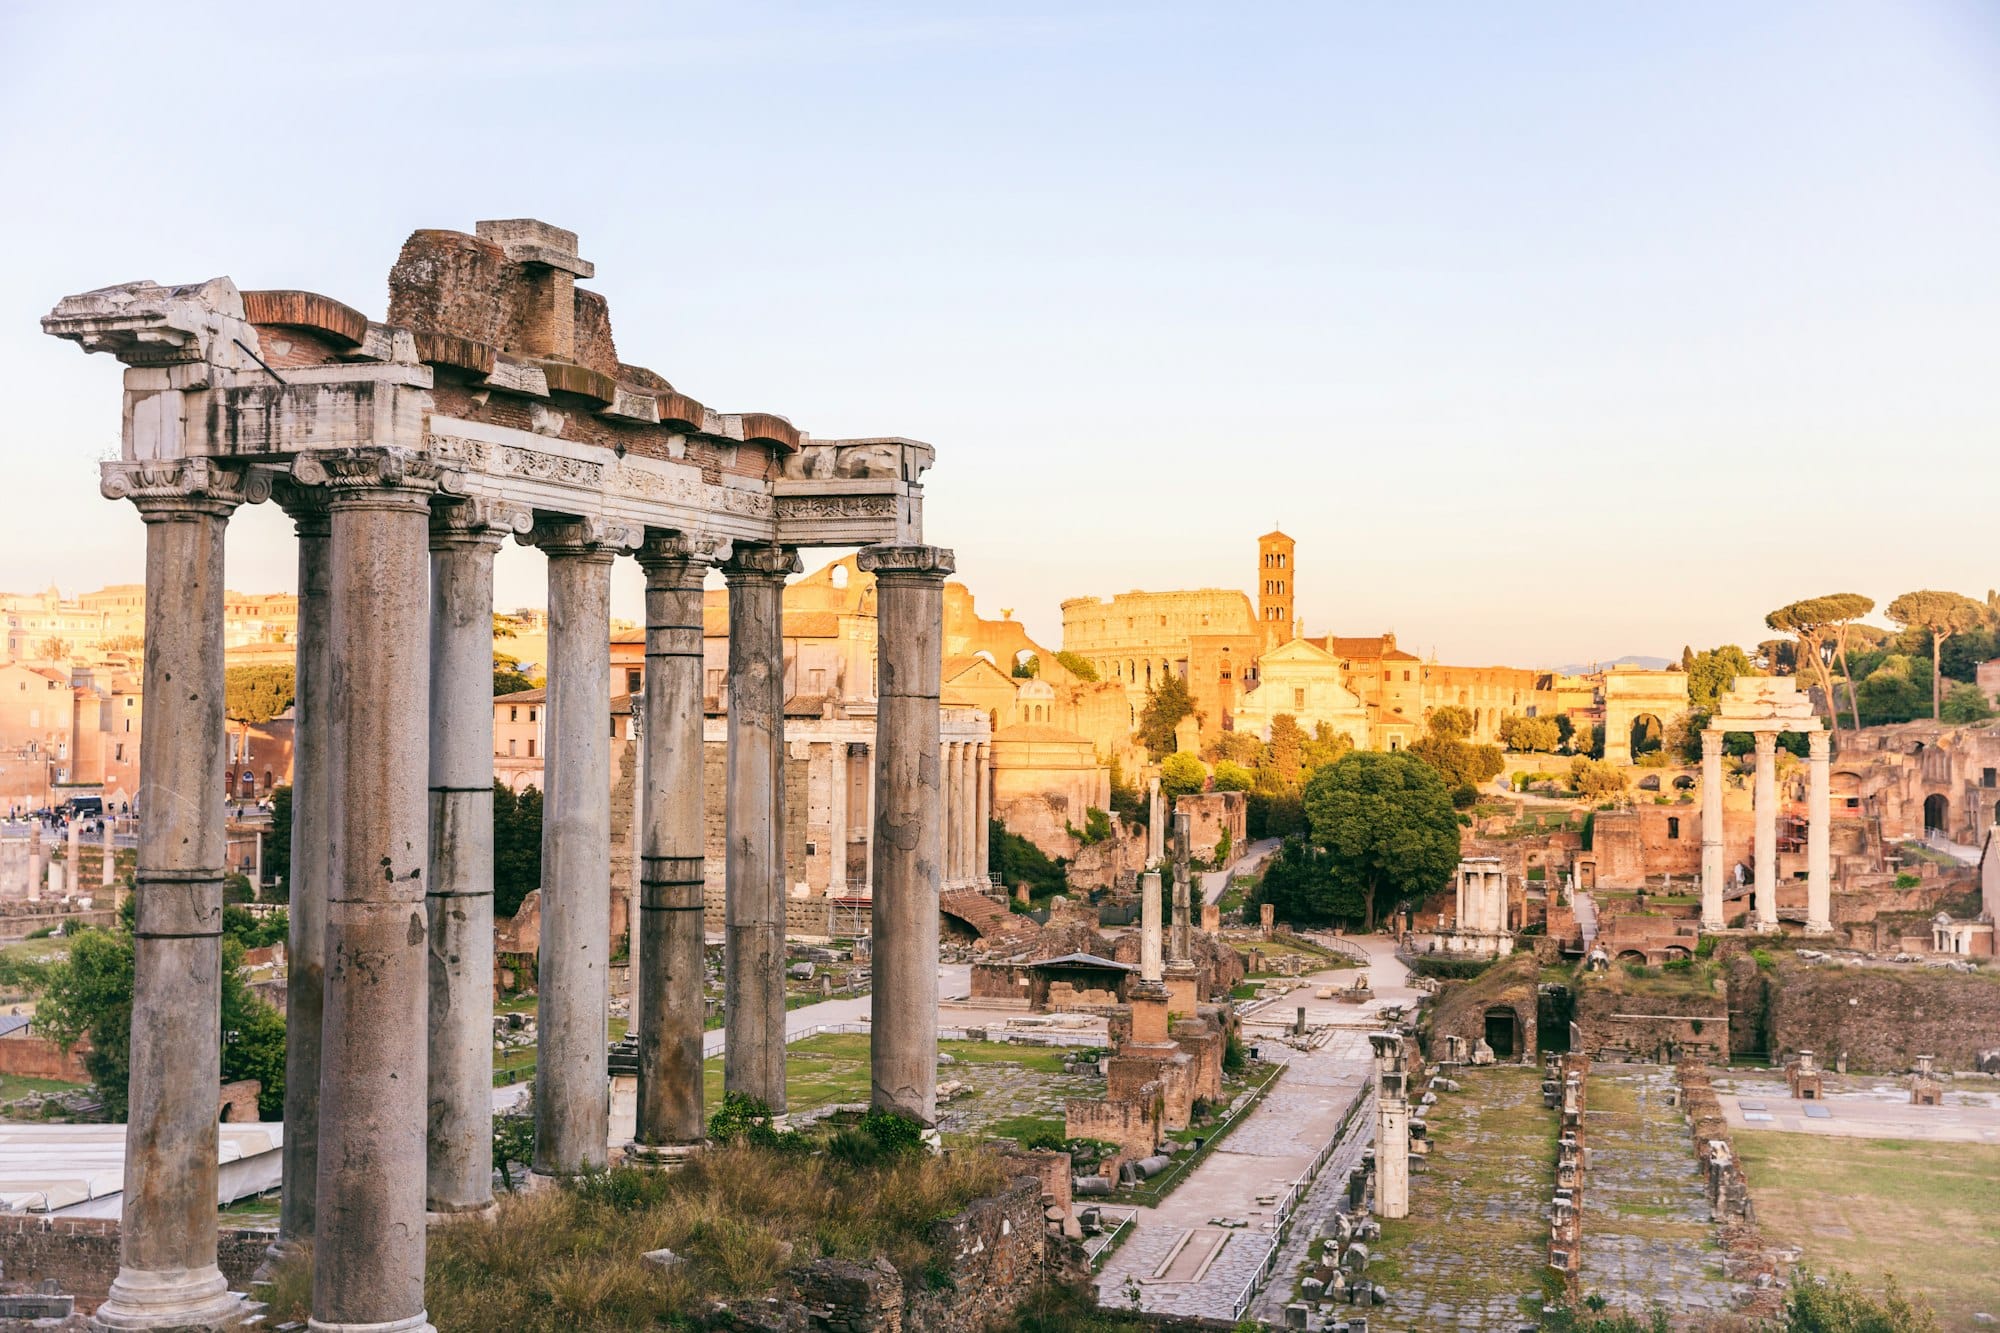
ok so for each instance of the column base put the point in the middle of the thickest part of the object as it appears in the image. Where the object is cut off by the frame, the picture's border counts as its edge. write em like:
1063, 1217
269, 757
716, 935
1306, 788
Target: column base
1819, 927
191, 1301
484, 1212
1709, 927
419, 1322
275, 1254
662, 1156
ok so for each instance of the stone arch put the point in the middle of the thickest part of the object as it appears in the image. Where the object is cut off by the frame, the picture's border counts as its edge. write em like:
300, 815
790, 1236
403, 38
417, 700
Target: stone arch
1937, 813
1631, 956
839, 575
1503, 1031
1675, 953
1647, 734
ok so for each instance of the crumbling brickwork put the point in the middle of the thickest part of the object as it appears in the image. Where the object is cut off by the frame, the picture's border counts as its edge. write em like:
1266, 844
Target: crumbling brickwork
80, 1254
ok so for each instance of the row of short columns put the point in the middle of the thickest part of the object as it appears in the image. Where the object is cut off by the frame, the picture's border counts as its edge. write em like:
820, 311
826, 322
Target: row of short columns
968, 798
1764, 840
389, 1054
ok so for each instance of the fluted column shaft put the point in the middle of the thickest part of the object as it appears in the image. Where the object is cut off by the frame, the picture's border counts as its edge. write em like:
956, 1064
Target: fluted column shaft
572, 1081
672, 968
167, 1274
309, 873
982, 838
836, 820
368, 1243
909, 813
1765, 816
1711, 831
1819, 835
464, 537
753, 1060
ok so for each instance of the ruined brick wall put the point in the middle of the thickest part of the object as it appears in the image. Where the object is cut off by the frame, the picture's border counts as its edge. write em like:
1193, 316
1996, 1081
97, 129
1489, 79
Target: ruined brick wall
1133, 1126
37, 1057
1607, 1019
1210, 815
80, 1254
997, 1251
1882, 1018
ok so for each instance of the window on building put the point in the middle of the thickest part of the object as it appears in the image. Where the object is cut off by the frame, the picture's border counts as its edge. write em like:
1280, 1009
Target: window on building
1673, 826
633, 679
118, 754
128, 725
819, 680
1298, 698
1988, 777
533, 713
1406, 675
531, 747
511, 743
513, 712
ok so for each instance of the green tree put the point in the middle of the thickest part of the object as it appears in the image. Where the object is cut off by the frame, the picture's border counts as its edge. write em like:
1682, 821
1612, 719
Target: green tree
1941, 615
1167, 702
1821, 625
1233, 777
1288, 749
517, 847
1965, 703
1596, 780
1837, 1304
1327, 746
1387, 823
278, 841
1076, 664
1239, 747
1127, 801
507, 676
1028, 668
1587, 740
1451, 723
1181, 774
1019, 861
1713, 672
1304, 889
1530, 734
256, 694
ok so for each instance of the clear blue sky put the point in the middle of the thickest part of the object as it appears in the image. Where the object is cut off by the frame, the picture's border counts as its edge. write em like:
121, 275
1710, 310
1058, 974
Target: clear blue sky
1550, 332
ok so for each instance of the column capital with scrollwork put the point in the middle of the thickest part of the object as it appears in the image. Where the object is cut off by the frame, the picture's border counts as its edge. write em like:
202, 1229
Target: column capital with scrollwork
753, 563
165, 489
476, 522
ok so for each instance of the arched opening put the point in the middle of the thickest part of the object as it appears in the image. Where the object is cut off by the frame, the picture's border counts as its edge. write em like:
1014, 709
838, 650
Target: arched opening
839, 576
1675, 953
1937, 814
1685, 782
1503, 1032
1631, 956
1647, 734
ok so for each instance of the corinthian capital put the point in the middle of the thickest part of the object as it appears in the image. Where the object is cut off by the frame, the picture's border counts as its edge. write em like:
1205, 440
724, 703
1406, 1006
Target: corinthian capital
477, 520
753, 562
914, 561
162, 487
368, 467
582, 536
662, 549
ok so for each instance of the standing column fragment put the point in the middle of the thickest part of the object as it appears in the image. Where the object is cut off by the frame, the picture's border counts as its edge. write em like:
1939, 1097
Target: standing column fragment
368, 1241
1819, 835
167, 1273
753, 1061
982, 824
672, 967
1765, 818
1711, 830
572, 1078
909, 813
464, 537
310, 871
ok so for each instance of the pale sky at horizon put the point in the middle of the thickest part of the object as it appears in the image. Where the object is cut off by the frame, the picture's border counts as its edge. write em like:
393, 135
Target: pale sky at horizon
1550, 332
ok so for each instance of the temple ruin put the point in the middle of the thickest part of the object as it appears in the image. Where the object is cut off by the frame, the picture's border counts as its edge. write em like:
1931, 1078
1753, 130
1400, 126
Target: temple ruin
490, 405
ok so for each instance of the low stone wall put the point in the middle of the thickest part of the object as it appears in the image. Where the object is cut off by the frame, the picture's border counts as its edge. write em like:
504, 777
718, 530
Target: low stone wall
1880, 1018
1745, 1258
38, 1057
80, 1254
1651, 1027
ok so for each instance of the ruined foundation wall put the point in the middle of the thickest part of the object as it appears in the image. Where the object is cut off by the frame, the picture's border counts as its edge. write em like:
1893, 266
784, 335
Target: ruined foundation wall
80, 1254
1883, 1018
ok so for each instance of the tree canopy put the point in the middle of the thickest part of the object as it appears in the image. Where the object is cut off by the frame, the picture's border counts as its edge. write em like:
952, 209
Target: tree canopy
1181, 774
256, 694
517, 847
1822, 625
1076, 664
1966, 703
1538, 735
1713, 672
1941, 614
508, 677
1230, 776
1167, 702
1458, 762
1387, 825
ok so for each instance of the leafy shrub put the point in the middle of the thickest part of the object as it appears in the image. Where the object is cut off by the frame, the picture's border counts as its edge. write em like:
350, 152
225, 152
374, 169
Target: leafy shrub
1762, 957
1906, 880
1678, 965
1705, 947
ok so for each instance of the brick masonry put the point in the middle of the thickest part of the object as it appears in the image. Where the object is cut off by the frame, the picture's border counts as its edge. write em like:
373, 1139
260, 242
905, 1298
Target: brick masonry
80, 1254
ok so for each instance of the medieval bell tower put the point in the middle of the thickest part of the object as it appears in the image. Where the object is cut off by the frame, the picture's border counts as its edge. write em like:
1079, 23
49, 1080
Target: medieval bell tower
1275, 590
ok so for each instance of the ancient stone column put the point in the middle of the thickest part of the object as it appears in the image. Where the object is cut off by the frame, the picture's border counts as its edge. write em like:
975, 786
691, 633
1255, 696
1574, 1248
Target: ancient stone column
310, 872
836, 820
73, 858
1711, 830
869, 753
753, 1059
35, 858
1156, 826
368, 1231
572, 1082
1392, 1127
1149, 926
983, 817
969, 803
1180, 950
167, 1274
909, 804
1819, 835
1765, 815
672, 968
104, 828
464, 536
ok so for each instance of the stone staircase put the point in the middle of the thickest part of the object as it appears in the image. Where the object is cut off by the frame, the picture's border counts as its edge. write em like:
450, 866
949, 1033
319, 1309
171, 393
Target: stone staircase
997, 926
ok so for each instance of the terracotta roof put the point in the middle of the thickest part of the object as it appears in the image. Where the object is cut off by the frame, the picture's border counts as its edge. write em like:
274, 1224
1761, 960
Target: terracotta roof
533, 696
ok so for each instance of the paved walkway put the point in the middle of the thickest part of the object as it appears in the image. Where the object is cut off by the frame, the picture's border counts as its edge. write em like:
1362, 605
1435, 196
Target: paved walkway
1215, 883
1180, 1259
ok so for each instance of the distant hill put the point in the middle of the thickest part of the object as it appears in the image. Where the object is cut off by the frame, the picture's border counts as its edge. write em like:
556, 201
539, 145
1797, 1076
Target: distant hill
1631, 660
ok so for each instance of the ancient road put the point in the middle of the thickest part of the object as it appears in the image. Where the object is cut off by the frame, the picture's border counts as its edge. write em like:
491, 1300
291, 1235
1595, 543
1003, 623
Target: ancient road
1182, 1261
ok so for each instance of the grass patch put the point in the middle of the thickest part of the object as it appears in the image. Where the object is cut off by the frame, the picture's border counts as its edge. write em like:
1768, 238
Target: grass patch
1925, 1211
13, 1087
562, 1260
